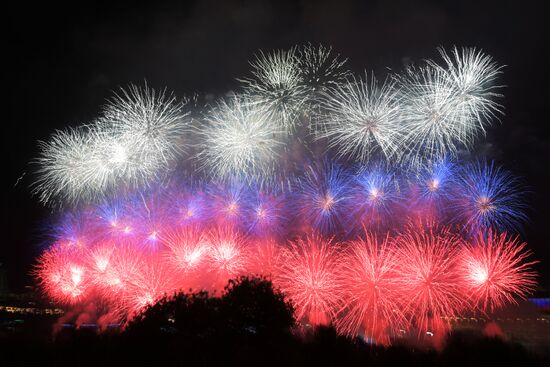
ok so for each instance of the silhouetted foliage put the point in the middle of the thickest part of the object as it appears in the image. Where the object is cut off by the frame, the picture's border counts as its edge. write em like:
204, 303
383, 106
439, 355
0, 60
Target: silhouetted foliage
249, 306
250, 324
245, 323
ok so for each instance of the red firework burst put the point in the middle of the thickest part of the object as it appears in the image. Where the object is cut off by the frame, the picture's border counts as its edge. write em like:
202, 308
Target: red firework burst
495, 270
427, 274
372, 290
63, 274
308, 275
153, 280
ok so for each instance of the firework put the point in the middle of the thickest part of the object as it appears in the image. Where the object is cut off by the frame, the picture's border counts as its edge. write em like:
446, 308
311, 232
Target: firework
361, 118
427, 273
63, 167
266, 216
228, 257
308, 277
277, 86
473, 76
375, 196
152, 281
241, 142
63, 275
265, 258
322, 196
495, 270
229, 204
445, 108
490, 197
187, 254
438, 180
320, 69
136, 140
433, 129
361, 243
149, 128
372, 291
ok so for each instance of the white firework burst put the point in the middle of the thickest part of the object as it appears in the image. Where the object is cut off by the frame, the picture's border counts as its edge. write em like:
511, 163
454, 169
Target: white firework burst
321, 69
240, 141
473, 75
136, 140
446, 107
429, 116
151, 127
64, 167
362, 117
277, 84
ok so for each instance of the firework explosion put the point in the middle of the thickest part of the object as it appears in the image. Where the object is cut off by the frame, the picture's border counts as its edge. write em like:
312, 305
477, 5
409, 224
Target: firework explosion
397, 236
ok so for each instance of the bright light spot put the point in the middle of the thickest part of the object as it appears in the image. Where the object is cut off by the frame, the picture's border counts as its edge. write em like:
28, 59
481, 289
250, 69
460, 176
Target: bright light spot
101, 263
76, 275
328, 202
480, 275
433, 185
194, 256
261, 213
232, 208
485, 205
119, 154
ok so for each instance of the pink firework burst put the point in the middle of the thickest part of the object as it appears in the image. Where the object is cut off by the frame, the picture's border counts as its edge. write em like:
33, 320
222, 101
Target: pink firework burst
495, 269
427, 275
153, 280
228, 257
372, 291
308, 275
63, 274
187, 253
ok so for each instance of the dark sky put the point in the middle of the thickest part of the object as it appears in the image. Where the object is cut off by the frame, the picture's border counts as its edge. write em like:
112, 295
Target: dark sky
64, 61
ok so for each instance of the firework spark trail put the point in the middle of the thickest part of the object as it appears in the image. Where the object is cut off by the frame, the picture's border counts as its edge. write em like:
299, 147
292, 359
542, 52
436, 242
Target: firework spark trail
320, 69
371, 290
496, 270
308, 277
362, 118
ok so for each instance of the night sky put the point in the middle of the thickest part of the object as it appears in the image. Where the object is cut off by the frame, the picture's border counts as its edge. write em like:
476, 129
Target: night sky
63, 62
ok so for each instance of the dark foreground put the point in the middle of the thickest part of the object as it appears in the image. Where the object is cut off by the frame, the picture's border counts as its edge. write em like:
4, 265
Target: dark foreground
251, 325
